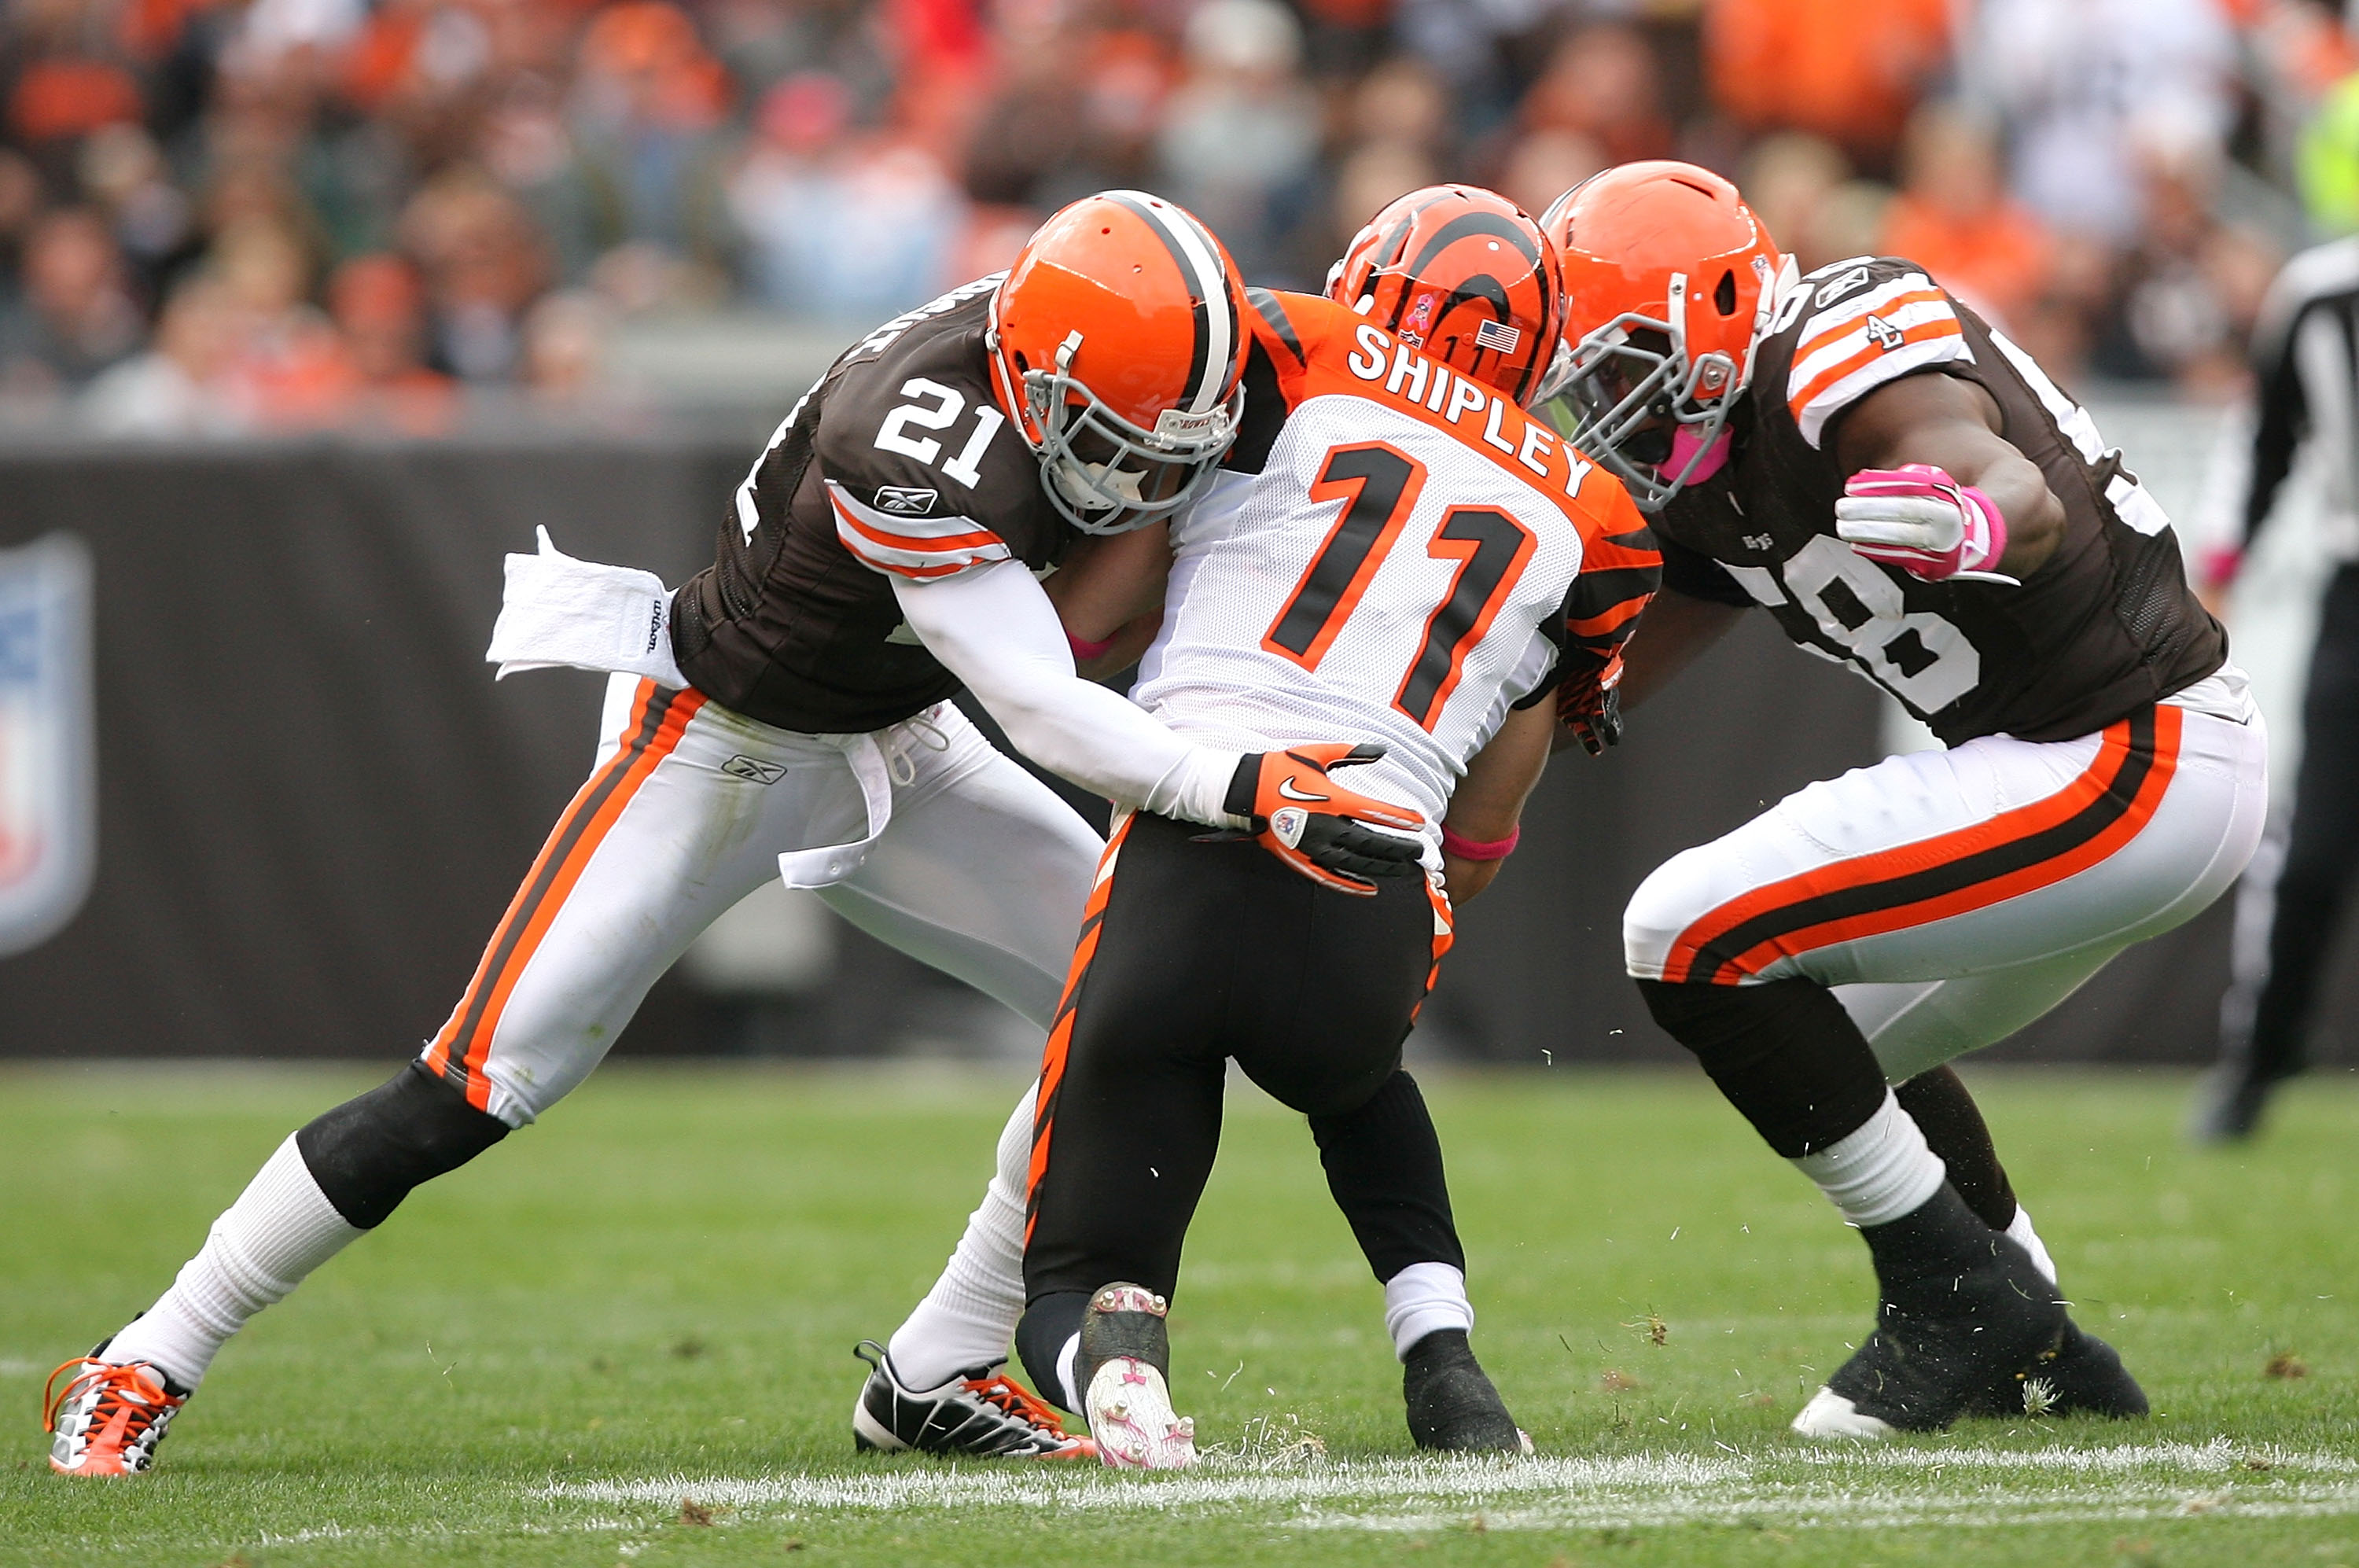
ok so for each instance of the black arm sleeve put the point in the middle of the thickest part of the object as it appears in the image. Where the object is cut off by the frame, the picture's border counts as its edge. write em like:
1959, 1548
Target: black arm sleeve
1698, 575
2284, 419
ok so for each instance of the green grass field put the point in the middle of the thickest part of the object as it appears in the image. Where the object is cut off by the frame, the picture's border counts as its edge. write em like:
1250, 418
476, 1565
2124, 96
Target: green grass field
650, 1299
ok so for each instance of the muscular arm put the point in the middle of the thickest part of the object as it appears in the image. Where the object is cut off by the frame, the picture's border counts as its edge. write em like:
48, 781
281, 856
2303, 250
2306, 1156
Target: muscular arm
1110, 589
994, 629
1676, 630
1953, 425
1489, 801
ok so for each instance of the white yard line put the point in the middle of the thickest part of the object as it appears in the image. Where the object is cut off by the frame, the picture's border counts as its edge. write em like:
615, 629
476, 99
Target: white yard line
1799, 1487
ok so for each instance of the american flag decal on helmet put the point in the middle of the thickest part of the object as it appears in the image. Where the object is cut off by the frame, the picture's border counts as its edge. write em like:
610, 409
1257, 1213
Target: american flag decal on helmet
1498, 336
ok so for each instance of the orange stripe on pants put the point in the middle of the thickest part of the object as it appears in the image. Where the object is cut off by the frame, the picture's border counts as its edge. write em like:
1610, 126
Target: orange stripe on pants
658, 720
1060, 1035
1951, 873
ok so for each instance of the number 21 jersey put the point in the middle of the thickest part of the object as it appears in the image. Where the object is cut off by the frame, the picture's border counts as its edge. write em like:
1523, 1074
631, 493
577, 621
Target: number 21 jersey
899, 464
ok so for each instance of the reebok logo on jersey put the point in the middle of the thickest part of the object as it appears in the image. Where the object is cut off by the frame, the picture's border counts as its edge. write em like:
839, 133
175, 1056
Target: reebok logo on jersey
1286, 787
1831, 292
905, 501
759, 772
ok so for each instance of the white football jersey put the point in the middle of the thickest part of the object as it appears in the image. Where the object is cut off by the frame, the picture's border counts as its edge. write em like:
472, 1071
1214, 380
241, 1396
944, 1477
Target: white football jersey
1397, 573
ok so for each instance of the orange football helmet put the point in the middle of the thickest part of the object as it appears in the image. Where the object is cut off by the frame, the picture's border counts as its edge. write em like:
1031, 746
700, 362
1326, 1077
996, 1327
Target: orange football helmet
1670, 281
1464, 274
1117, 343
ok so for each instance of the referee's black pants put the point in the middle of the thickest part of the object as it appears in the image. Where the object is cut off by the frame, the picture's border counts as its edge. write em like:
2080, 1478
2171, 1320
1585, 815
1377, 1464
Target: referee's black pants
2267, 1013
1192, 954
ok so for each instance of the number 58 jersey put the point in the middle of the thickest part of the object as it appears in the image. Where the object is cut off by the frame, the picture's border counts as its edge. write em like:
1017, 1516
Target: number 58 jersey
1401, 568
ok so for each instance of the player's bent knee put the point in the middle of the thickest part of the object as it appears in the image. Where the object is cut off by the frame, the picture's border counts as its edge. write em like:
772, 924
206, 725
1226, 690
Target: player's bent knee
1785, 1054
1666, 903
368, 1153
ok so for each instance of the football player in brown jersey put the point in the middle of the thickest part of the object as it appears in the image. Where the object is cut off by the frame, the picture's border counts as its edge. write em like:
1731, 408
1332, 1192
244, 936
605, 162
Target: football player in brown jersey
1905, 492
788, 710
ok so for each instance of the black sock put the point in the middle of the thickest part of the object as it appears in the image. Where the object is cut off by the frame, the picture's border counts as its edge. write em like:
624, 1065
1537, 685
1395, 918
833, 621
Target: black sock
1954, 1129
1049, 1325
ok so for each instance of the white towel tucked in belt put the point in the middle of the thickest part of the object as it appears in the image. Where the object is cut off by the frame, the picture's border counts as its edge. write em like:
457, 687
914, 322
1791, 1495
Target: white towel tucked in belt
560, 612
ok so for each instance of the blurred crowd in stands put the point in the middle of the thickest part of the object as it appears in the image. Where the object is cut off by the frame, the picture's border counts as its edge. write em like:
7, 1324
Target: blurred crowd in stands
220, 215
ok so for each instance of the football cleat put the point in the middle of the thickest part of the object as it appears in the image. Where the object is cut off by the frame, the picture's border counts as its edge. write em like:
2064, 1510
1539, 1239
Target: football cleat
1453, 1405
109, 1417
1941, 1343
2081, 1374
1126, 1350
982, 1413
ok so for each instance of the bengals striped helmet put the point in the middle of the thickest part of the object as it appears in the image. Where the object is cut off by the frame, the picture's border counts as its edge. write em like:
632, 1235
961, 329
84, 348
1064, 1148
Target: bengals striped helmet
1464, 274
1117, 343
1669, 282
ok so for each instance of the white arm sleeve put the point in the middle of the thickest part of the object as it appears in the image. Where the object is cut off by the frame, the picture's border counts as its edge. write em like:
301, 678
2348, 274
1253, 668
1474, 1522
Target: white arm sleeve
994, 628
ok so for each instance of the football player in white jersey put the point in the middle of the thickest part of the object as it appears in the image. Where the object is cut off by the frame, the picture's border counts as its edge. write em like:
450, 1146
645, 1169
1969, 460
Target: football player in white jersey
1400, 567
1906, 492
787, 709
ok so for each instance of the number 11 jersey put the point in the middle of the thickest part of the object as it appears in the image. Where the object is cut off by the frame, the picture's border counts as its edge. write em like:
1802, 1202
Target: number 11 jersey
1399, 568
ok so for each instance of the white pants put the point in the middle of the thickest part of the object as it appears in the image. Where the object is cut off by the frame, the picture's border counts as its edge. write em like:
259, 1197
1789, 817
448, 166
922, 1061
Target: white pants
980, 872
1950, 897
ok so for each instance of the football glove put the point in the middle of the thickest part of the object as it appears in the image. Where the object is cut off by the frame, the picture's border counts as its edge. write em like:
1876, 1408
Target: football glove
1920, 520
1590, 706
1316, 826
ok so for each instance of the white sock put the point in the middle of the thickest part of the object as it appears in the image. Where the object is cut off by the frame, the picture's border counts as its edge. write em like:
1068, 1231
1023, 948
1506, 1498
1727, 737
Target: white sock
968, 1317
2020, 1229
1422, 1298
1880, 1172
281, 1227
1069, 1366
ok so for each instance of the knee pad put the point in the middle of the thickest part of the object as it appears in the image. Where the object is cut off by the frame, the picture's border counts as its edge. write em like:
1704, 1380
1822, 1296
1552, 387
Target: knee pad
368, 1153
1786, 1054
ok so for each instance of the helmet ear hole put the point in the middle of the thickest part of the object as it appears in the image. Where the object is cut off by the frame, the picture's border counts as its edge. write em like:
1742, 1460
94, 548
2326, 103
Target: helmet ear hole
1723, 297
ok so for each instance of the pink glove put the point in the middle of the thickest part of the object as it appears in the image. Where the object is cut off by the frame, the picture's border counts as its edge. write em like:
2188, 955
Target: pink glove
1924, 522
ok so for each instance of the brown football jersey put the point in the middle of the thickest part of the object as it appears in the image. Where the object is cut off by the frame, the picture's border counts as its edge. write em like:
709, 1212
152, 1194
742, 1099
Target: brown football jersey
2107, 626
899, 463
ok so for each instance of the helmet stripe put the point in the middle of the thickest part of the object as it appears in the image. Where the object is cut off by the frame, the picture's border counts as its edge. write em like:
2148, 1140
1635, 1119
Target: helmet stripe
1466, 227
1198, 256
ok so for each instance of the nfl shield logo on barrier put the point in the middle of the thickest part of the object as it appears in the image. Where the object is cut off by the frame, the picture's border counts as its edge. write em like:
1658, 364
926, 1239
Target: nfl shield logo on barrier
49, 805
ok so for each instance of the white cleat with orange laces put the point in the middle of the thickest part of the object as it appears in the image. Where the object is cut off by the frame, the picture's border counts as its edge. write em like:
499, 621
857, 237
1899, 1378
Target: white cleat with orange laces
109, 1417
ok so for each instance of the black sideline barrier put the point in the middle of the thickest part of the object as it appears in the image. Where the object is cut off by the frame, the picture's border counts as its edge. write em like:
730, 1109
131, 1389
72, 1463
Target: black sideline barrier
314, 801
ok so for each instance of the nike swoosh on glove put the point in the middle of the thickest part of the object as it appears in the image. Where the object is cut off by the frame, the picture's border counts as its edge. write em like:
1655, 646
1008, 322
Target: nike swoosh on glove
1318, 827
1920, 520
1590, 706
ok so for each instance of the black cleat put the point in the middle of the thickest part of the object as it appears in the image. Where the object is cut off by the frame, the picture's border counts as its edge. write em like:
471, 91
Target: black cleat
2229, 1102
2082, 1375
1942, 1344
1453, 1405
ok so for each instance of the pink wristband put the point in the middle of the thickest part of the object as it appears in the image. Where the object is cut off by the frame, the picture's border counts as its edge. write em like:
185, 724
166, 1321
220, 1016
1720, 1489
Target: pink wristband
1085, 650
1466, 848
